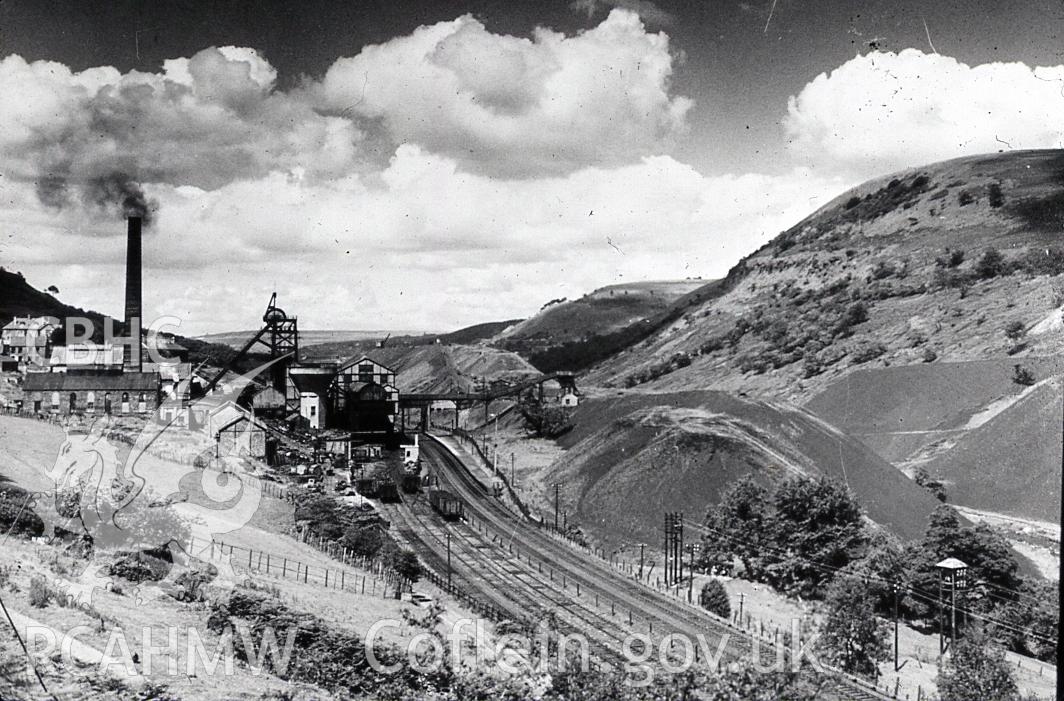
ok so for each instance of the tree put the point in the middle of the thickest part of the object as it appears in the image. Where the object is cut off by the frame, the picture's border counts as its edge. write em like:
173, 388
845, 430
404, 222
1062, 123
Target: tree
990, 264
714, 598
819, 527
406, 565
882, 566
740, 527
852, 637
364, 540
976, 671
545, 421
985, 551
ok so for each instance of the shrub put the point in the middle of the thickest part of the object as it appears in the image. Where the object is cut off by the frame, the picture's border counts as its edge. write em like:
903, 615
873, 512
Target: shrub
406, 565
923, 478
18, 518
996, 197
929, 355
364, 540
144, 565
991, 264
40, 594
714, 598
852, 636
1015, 330
1022, 376
544, 420
976, 670
865, 352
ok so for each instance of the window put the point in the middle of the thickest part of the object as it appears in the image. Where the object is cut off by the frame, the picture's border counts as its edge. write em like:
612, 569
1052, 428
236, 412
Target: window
90, 401
365, 372
73, 405
125, 402
142, 406
107, 402
313, 410
55, 400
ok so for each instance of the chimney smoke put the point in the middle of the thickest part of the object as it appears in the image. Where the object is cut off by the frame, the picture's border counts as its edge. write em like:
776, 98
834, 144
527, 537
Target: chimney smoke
132, 351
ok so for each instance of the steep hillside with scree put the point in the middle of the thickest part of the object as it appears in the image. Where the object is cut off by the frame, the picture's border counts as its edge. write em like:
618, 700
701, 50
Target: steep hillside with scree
893, 272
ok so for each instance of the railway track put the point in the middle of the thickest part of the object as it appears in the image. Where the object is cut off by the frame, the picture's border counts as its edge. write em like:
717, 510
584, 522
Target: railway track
507, 582
651, 612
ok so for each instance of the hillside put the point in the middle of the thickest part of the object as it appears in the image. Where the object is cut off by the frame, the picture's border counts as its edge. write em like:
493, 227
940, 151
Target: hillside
19, 298
1010, 464
632, 457
600, 312
893, 272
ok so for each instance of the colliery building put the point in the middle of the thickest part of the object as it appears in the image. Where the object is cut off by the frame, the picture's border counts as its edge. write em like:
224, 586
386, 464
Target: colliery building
105, 379
91, 392
358, 395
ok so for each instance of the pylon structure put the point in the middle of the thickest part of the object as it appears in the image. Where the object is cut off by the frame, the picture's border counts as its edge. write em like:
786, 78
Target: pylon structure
673, 547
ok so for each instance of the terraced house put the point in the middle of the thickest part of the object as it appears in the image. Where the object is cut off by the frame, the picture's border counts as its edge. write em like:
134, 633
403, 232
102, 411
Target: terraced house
26, 340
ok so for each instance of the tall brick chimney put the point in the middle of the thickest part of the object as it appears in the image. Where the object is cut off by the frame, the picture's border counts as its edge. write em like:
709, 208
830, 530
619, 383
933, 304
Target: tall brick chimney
131, 360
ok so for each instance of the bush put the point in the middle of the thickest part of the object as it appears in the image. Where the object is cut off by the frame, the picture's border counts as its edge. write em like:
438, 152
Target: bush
406, 565
852, 636
40, 594
18, 518
997, 198
144, 565
546, 421
929, 355
865, 352
1015, 330
714, 598
1022, 376
364, 540
991, 264
976, 671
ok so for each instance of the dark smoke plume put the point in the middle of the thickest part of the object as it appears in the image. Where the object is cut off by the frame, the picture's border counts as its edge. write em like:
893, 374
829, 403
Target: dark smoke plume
121, 193
115, 193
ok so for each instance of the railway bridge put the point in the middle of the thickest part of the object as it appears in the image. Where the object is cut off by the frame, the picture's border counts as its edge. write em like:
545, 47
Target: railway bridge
465, 400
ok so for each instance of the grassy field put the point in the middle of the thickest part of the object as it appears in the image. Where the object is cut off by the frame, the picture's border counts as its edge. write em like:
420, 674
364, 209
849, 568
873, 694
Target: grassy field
28, 449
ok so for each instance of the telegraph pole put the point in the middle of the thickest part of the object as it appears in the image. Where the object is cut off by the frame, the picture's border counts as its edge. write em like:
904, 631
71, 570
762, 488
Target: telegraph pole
448, 559
894, 586
642, 546
556, 487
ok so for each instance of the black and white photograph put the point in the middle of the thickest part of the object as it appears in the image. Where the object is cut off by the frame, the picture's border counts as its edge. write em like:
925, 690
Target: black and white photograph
574, 350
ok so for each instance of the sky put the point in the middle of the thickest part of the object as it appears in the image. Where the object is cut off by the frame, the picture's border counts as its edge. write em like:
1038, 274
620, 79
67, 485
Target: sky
429, 165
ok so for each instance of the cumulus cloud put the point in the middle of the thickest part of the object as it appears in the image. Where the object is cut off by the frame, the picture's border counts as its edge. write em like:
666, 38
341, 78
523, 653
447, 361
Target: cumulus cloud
885, 111
513, 106
421, 244
88, 138
646, 9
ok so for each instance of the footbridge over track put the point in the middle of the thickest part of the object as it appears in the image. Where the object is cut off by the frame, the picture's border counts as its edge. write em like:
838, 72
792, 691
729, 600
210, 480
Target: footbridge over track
466, 400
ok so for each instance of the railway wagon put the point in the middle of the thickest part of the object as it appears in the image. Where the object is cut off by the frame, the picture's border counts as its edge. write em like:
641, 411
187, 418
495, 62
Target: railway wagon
411, 482
448, 505
388, 490
367, 486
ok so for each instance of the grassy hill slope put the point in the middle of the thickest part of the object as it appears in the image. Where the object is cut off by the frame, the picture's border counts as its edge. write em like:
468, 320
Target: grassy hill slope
632, 457
867, 281
602, 311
